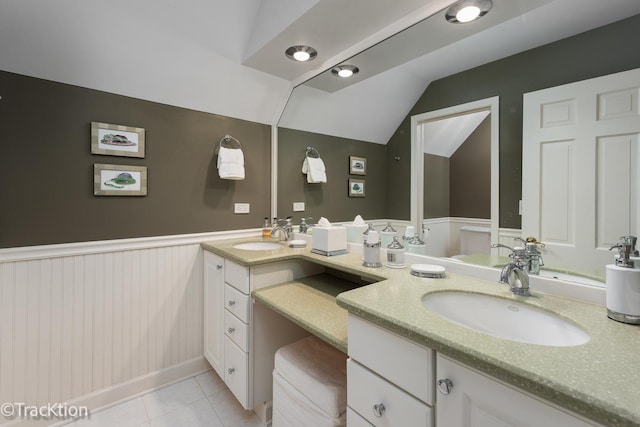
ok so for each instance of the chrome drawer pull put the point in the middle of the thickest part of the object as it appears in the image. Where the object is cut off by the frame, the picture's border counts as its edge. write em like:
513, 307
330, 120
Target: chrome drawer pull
445, 386
231, 330
218, 267
231, 370
231, 303
378, 409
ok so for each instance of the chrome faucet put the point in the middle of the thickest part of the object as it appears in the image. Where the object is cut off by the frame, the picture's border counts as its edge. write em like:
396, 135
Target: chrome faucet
304, 227
516, 273
287, 229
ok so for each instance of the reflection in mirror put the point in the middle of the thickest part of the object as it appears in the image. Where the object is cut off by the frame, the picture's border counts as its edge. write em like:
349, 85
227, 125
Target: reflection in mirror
376, 109
466, 137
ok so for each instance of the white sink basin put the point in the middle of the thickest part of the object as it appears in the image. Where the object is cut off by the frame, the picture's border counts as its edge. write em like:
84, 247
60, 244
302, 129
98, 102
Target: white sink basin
258, 246
505, 318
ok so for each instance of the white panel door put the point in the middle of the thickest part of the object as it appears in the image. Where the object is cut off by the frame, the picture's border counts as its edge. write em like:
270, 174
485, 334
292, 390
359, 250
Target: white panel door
580, 169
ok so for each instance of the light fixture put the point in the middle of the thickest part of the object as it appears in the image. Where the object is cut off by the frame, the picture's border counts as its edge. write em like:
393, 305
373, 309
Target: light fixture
468, 10
344, 70
301, 53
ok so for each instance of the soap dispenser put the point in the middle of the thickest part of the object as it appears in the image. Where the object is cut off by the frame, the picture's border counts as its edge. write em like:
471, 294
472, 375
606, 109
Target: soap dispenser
623, 284
366, 232
395, 254
416, 245
387, 234
372, 250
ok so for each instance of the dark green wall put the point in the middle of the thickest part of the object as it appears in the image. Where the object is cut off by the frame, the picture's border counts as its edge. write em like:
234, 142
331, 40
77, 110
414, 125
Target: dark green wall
470, 175
436, 186
330, 199
602, 51
46, 167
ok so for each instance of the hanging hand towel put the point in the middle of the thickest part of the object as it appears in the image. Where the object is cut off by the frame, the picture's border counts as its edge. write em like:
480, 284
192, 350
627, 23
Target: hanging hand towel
314, 168
231, 163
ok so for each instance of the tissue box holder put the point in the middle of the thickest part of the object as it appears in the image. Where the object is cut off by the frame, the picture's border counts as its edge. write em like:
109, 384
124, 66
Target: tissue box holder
329, 241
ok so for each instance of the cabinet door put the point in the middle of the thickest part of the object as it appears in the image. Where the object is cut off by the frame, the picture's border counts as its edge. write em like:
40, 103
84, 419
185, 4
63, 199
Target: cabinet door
214, 311
479, 401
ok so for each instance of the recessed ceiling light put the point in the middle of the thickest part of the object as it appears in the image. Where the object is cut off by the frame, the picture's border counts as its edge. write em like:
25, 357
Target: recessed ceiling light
468, 10
301, 53
344, 70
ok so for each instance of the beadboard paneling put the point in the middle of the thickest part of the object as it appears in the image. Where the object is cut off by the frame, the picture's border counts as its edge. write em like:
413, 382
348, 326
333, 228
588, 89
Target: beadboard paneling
73, 325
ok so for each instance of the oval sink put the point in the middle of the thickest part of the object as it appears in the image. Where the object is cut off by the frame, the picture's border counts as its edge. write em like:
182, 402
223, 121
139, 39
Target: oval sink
504, 318
258, 246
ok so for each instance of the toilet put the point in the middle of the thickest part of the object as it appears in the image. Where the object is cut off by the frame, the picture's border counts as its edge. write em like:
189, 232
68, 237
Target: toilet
474, 239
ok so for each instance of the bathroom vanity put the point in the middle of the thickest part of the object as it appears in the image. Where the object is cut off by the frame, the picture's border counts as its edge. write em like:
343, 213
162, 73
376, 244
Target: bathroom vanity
410, 366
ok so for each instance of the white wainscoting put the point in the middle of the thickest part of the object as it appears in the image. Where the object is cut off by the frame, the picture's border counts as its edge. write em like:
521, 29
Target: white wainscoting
444, 234
94, 323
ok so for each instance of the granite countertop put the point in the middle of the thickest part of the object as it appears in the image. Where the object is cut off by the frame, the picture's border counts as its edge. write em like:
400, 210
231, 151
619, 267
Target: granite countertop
599, 379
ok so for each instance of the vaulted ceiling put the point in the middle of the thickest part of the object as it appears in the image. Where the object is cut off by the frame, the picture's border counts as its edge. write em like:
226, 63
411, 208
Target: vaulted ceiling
227, 57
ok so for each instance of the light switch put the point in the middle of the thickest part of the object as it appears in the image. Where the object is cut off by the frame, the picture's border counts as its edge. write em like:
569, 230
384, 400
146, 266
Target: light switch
241, 208
298, 206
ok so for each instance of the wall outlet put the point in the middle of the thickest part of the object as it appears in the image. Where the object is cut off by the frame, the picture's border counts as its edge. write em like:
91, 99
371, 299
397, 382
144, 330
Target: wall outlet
298, 206
241, 208
519, 207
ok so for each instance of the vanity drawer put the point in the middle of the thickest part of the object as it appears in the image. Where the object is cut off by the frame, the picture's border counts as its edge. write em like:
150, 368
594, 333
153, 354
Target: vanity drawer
381, 403
404, 363
236, 275
237, 330
236, 302
236, 371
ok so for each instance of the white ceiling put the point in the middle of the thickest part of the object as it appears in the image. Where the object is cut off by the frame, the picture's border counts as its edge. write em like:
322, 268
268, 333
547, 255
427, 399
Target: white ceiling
226, 57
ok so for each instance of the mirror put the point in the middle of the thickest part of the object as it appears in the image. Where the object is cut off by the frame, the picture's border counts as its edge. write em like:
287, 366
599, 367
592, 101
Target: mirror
358, 111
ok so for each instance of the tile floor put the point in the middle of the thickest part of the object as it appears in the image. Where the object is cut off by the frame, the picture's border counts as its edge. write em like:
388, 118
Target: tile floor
200, 401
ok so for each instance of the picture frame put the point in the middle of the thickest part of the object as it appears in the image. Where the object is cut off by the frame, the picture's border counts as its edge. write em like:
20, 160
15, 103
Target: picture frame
357, 188
357, 165
117, 140
119, 180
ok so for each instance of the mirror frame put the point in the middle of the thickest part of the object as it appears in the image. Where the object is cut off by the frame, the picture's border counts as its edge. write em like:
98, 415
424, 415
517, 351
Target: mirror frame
417, 157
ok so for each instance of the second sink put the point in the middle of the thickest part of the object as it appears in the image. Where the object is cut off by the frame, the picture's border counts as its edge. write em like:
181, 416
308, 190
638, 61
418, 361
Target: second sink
258, 246
505, 318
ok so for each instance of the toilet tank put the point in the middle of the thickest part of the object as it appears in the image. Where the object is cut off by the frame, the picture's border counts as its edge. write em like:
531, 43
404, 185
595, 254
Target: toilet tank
475, 240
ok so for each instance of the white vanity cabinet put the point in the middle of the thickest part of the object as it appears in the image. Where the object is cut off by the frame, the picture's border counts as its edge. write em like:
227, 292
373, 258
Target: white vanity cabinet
468, 398
392, 381
240, 336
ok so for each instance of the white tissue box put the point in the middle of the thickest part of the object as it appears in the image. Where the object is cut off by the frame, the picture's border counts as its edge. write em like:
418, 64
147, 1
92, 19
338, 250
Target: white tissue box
329, 239
354, 233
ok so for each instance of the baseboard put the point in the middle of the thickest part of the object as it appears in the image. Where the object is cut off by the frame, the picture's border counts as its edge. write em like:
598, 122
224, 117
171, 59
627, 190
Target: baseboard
111, 396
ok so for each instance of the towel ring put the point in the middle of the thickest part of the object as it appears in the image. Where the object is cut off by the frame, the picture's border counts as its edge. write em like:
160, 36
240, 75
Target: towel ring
311, 150
228, 139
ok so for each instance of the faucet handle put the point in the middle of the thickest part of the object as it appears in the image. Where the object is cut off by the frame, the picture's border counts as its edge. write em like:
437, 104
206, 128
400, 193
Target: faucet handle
500, 245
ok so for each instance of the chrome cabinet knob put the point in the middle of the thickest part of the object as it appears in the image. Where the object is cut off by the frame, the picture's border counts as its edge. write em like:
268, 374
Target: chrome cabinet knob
445, 386
231, 330
231, 370
378, 409
218, 267
231, 303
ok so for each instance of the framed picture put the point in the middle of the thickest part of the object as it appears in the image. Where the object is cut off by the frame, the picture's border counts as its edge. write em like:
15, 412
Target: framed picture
357, 165
117, 140
119, 180
356, 188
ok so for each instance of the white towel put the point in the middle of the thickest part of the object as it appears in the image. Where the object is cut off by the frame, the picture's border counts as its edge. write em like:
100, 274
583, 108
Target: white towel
314, 168
231, 163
